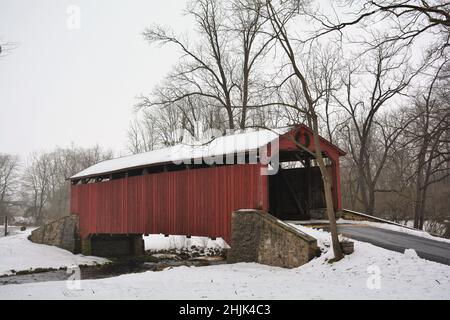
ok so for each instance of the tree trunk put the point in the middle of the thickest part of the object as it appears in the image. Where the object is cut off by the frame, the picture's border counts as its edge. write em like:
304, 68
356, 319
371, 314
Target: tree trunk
418, 210
244, 99
363, 188
370, 209
423, 206
327, 181
230, 118
6, 225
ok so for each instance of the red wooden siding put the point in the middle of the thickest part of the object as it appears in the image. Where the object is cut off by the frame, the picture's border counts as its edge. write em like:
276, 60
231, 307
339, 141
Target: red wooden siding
188, 202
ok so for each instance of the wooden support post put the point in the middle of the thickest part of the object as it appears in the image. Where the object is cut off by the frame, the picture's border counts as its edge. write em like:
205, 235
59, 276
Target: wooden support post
138, 245
6, 226
86, 246
308, 186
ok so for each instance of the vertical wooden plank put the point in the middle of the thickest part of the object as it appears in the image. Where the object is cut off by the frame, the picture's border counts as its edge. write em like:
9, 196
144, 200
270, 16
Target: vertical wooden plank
194, 202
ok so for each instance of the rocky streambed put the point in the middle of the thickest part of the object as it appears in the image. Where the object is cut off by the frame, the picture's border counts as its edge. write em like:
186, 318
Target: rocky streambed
118, 266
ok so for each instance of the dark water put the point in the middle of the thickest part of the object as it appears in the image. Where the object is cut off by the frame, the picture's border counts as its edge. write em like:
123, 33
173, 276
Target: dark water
115, 268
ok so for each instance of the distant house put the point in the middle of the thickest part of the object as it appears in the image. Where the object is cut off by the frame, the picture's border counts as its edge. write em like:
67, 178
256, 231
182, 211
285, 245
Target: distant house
177, 190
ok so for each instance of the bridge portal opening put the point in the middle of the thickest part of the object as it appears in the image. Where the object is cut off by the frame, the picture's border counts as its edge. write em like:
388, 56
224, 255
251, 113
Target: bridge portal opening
296, 192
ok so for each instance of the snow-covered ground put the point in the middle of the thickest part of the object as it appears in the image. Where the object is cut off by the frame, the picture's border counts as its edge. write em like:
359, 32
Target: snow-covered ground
369, 273
158, 242
17, 253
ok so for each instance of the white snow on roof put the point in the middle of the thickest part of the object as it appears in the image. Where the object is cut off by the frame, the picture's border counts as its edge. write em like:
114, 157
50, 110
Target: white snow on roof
228, 144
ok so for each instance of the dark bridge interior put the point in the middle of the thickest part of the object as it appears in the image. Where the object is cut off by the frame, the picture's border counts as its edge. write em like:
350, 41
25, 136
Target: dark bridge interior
297, 193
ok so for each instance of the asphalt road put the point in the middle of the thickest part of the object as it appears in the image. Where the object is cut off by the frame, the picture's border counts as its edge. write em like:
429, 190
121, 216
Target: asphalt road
399, 241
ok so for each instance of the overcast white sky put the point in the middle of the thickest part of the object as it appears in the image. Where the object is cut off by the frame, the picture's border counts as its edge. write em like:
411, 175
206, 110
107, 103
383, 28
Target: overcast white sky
61, 86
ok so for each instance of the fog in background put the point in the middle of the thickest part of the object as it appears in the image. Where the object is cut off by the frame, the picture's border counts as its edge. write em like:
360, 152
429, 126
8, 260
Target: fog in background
61, 86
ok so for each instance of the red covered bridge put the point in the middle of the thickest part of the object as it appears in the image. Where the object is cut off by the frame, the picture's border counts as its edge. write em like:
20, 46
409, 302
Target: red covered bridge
192, 190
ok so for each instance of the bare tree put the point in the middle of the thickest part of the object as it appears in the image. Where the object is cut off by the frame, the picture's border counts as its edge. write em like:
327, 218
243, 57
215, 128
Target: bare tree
142, 135
206, 69
8, 181
37, 183
407, 19
387, 76
279, 17
394, 196
249, 20
430, 138
221, 67
45, 189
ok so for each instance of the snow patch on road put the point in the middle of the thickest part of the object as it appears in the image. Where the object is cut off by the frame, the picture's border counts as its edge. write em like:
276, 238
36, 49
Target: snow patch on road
411, 254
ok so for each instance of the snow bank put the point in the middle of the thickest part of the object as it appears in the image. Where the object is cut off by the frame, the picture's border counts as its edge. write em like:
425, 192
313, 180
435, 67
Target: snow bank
401, 276
158, 242
19, 254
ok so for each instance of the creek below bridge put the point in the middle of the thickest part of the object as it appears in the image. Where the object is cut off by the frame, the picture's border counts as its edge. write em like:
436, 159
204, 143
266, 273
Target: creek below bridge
117, 267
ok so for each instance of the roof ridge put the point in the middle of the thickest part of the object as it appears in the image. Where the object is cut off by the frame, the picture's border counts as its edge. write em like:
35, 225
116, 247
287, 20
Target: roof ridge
235, 144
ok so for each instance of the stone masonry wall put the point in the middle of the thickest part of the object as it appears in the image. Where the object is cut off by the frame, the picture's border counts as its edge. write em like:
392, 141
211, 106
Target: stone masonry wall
62, 233
260, 237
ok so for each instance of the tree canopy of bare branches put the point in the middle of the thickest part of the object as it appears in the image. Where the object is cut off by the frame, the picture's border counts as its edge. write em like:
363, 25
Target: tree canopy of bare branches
44, 185
221, 66
386, 75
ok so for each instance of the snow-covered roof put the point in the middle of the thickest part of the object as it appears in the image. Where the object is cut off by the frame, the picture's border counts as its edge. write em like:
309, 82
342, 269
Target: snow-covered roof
223, 145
